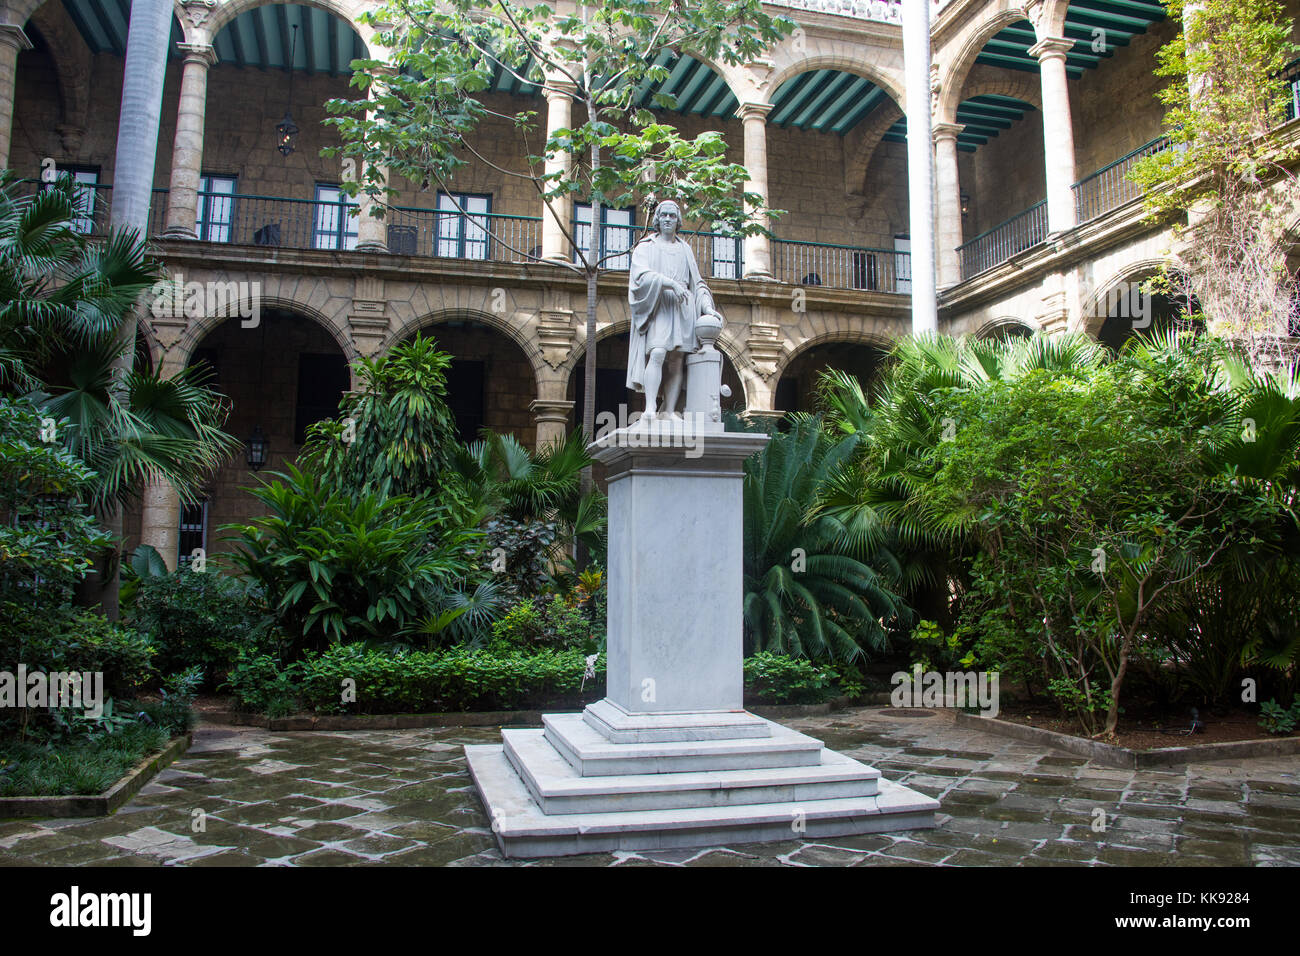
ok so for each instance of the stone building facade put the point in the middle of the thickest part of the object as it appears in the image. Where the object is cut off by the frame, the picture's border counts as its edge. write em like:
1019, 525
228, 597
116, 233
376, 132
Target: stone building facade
1035, 118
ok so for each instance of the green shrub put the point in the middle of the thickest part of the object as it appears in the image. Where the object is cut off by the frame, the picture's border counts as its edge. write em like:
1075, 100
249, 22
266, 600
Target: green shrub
75, 639
260, 683
336, 568
64, 638
47, 538
201, 620
174, 710
778, 679
415, 682
1277, 719
532, 624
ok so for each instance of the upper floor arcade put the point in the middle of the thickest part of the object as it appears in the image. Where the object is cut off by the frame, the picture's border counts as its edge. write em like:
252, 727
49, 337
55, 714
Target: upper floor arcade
1039, 108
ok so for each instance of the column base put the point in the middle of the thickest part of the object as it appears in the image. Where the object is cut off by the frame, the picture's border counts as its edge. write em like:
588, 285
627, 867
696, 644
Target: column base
179, 232
372, 248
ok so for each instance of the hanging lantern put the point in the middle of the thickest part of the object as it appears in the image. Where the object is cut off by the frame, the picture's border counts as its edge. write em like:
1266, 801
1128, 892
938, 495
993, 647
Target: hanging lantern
259, 449
287, 130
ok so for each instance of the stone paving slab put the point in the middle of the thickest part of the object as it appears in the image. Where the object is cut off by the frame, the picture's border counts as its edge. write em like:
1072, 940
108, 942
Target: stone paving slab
250, 797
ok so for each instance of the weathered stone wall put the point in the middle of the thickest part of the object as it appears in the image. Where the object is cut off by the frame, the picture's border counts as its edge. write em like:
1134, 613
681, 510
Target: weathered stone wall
1009, 173
1114, 107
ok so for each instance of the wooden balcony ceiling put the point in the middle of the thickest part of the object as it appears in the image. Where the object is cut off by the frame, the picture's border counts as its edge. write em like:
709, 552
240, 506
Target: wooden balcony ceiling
260, 38
102, 24
1113, 22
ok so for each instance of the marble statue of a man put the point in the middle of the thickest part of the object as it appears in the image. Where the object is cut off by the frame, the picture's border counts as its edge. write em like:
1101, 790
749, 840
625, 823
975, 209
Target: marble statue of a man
667, 297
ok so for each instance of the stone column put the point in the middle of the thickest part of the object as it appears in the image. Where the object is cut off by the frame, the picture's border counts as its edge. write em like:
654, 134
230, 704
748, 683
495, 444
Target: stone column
187, 147
559, 216
552, 417
372, 231
1058, 132
920, 167
160, 520
758, 249
947, 202
12, 42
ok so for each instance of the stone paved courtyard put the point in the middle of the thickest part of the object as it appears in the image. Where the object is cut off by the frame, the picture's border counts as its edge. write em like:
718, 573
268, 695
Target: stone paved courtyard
404, 798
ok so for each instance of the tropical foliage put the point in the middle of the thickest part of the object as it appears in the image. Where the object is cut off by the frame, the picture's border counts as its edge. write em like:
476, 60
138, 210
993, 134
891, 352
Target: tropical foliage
807, 591
1095, 514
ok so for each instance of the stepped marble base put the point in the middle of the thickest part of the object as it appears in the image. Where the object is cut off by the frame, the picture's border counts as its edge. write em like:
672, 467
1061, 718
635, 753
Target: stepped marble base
569, 788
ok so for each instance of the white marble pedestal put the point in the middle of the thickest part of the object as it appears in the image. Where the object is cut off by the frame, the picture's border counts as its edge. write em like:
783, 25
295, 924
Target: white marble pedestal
670, 758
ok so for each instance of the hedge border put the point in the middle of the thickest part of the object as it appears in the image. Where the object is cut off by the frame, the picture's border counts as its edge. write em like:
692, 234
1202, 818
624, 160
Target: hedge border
469, 718
97, 805
1125, 758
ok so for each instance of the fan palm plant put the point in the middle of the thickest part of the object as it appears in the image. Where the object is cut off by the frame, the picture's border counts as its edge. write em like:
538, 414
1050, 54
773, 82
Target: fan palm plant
508, 480
66, 308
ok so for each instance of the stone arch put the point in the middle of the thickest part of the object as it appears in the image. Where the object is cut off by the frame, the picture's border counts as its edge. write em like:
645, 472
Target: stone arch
838, 55
985, 80
225, 13
1093, 313
491, 383
992, 327
999, 16
72, 65
20, 11
795, 385
179, 354
861, 144
834, 336
507, 325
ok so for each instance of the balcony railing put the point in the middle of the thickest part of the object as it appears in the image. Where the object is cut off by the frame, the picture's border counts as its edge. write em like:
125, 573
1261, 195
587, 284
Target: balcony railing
278, 222
1000, 243
1109, 187
1292, 75
841, 267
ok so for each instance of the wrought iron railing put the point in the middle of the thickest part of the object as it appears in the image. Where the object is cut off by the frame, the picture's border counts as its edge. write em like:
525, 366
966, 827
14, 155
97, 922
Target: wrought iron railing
453, 235
1292, 75
275, 221
1000, 243
1109, 187
280, 222
841, 267
94, 205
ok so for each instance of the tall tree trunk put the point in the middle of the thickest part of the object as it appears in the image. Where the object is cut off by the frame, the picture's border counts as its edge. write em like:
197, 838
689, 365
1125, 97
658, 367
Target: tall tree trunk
133, 167
593, 275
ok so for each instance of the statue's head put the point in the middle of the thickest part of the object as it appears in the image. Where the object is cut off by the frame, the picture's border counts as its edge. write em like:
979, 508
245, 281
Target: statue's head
667, 217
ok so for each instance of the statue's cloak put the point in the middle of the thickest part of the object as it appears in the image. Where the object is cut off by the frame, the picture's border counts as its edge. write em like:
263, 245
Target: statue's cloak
659, 318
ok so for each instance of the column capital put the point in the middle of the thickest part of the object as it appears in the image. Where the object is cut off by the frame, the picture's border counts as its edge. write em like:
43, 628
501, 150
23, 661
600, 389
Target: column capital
1050, 48
753, 110
946, 131
198, 53
560, 89
13, 35
551, 409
